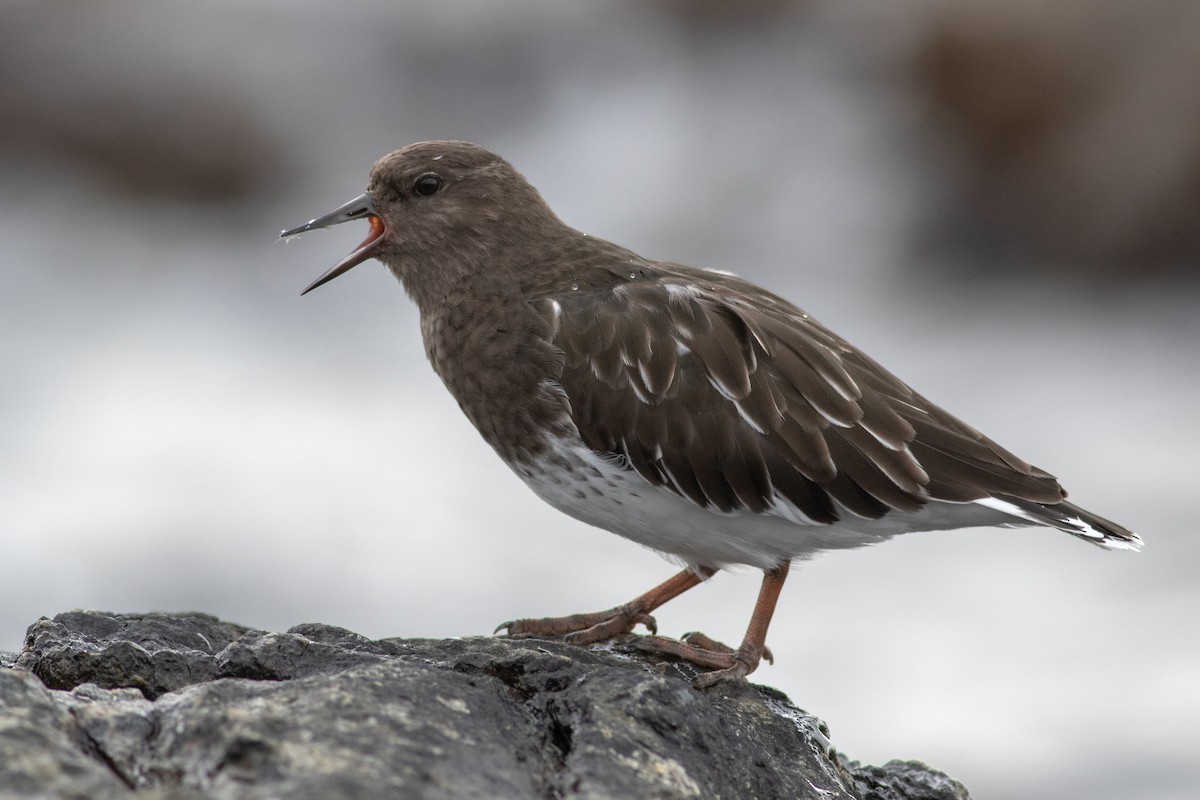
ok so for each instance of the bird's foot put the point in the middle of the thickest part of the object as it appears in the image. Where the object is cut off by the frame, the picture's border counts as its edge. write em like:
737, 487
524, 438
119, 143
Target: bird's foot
698, 639
583, 629
707, 653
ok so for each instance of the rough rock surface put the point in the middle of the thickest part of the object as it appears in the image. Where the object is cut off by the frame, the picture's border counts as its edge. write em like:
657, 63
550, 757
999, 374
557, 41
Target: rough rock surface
186, 706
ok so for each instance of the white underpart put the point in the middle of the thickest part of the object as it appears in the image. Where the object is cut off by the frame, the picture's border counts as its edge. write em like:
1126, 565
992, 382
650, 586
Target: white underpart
599, 491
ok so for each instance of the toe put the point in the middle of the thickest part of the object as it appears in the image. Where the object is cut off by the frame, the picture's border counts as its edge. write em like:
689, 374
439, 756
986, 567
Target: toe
581, 628
705, 642
738, 671
708, 659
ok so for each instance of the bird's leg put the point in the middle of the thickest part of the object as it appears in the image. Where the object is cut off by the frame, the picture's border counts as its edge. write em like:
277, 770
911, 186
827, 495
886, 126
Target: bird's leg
725, 662
598, 626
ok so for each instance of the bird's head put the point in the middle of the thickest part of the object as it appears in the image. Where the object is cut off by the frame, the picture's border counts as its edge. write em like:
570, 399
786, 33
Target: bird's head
437, 209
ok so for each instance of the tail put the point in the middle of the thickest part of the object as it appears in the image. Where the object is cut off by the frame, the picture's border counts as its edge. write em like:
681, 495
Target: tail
1068, 517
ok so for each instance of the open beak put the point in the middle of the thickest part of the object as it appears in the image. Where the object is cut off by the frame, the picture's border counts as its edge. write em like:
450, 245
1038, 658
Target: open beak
357, 208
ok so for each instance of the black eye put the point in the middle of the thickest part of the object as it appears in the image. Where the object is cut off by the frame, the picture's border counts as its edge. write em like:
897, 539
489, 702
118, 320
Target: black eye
427, 184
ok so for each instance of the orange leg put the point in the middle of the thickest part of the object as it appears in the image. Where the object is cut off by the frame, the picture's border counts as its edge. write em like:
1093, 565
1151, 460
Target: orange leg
727, 664
599, 626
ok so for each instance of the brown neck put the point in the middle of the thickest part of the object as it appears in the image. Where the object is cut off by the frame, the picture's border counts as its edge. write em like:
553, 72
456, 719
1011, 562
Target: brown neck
492, 352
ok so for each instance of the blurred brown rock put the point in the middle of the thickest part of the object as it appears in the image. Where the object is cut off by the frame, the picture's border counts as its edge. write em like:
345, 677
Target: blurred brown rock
1078, 126
100, 87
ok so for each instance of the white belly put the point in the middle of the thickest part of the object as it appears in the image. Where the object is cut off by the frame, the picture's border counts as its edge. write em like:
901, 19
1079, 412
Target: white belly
595, 490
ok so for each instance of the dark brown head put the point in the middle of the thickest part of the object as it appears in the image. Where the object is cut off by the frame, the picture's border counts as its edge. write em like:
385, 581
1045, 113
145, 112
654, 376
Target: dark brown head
441, 213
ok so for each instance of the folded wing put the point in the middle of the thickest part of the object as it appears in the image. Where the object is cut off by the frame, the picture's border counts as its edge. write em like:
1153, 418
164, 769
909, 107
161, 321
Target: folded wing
735, 399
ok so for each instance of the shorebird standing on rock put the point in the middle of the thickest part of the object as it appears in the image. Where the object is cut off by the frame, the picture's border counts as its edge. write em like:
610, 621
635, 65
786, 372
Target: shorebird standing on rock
688, 410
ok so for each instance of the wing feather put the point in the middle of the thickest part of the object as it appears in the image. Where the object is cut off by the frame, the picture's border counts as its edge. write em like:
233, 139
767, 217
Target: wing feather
737, 400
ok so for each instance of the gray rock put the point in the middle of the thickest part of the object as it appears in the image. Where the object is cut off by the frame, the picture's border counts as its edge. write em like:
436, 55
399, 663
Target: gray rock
188, 706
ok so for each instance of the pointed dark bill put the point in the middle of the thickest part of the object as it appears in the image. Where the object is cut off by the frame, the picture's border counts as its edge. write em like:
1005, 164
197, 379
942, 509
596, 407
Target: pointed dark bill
357, 208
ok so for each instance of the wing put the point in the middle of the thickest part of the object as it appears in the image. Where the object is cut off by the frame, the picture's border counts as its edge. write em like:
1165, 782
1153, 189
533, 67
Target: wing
733, 398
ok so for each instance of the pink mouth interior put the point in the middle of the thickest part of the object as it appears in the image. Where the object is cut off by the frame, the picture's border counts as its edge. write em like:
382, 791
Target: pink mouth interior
363, 251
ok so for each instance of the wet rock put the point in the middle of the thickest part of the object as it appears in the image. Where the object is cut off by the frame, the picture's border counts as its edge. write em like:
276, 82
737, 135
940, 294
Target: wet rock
185, 705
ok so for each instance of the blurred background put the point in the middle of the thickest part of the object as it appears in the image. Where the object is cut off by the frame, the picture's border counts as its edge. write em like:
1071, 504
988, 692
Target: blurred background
998, 200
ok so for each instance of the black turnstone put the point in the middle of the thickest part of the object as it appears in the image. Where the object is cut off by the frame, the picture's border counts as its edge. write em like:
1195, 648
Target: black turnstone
688, 410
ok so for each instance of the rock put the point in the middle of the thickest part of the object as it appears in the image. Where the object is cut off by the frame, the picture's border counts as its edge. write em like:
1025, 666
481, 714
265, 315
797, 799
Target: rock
187, 706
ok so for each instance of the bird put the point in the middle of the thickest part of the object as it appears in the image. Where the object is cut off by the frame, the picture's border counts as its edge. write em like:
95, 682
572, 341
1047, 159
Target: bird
685, 409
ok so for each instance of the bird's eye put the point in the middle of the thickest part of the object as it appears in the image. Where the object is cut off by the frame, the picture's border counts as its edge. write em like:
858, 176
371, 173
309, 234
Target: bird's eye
427, 184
